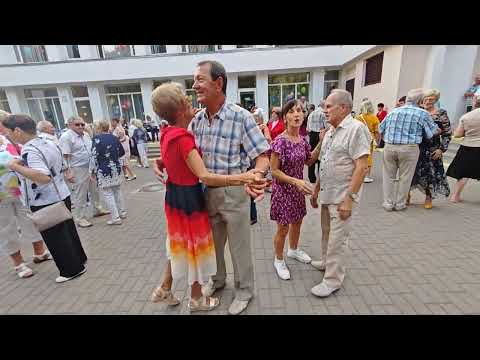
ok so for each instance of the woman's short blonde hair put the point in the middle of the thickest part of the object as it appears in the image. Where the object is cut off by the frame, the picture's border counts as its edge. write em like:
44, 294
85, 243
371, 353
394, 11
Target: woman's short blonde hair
366, 107
138, 123
3, 115
167, 100
102, 125
432, 92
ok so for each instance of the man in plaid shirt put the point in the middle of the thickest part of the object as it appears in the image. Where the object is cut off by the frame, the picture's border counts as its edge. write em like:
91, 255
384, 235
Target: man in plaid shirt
402, 130
229, 139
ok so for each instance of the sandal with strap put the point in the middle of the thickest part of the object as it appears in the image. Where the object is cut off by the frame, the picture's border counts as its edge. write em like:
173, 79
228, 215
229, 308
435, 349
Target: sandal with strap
166, 296
203, 304
37, 259
23, 271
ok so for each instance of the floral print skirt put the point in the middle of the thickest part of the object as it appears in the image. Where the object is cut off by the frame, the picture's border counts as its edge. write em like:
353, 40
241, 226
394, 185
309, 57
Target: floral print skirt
430, 174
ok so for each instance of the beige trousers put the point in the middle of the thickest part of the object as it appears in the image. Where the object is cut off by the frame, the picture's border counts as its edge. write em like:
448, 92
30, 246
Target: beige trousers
229, 212
402, 159
16, 228
82, 188
334, 245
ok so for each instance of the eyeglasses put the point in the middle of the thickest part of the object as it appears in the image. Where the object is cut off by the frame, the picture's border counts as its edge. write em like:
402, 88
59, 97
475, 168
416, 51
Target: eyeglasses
81, 124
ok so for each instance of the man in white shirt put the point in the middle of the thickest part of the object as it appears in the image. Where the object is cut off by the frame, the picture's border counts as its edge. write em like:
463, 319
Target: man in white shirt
343, 167
46, 130
76, 146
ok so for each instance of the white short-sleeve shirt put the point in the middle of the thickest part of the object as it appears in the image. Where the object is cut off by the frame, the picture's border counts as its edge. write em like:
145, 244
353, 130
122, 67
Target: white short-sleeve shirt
45, 194
340, 148
78, 146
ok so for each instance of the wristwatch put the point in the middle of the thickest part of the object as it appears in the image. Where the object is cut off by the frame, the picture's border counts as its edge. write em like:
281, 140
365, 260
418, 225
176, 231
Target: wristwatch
354, 197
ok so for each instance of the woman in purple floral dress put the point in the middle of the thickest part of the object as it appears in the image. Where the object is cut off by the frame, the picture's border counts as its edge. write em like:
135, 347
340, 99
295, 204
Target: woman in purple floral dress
290, 153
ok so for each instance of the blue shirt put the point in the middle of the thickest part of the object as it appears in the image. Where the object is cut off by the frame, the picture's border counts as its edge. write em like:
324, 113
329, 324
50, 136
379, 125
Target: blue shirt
406, 125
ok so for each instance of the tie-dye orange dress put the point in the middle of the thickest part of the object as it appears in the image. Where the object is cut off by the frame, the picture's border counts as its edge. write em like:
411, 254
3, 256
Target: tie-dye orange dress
189, 232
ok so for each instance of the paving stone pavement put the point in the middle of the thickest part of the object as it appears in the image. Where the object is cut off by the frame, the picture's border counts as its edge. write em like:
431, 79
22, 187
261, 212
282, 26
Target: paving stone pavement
413, 262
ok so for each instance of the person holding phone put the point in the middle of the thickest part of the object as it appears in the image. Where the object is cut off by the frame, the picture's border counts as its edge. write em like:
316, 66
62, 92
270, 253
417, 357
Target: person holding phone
290, 153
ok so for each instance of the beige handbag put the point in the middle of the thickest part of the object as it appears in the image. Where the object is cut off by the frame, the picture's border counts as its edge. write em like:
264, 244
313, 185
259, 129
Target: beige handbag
50, 215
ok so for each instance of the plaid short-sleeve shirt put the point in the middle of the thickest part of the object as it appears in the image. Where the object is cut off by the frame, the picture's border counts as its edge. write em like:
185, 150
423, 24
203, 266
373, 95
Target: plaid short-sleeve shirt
230, 142
406, 125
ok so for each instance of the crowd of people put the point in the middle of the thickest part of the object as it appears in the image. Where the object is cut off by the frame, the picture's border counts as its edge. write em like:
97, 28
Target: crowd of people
217, 162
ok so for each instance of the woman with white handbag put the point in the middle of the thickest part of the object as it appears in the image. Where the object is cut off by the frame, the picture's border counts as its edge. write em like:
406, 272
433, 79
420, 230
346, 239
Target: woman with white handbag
47, 195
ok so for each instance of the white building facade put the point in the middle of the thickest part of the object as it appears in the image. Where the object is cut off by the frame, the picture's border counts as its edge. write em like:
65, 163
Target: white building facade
54, 82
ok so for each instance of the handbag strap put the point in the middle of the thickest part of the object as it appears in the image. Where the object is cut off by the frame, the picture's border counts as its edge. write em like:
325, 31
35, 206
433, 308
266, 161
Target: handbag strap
51, 175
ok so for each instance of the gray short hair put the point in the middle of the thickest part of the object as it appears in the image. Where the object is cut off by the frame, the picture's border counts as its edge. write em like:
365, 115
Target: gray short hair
414, 96
476, 102
71, 119
342, 97
42, 125
321, 104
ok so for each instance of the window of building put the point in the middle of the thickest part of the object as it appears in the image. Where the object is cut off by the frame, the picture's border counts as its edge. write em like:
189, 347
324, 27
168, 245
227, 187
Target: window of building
350, 86
243, 46
373, 69
125, 101
82, 103
73, 52
330, 82
157, 83
4, 102
158, 49
283, 86
248, 81
33, 53
44, 104
191, 93
115, 51
198, 48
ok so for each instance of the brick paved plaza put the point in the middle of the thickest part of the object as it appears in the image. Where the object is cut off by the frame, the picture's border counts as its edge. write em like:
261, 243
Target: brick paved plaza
413, 262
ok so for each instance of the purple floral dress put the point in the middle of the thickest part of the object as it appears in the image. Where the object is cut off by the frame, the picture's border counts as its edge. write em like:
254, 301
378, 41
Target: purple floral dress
288, 204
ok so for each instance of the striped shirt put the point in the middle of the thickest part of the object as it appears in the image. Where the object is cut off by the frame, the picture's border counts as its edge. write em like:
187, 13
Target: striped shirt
406, 125
230, 142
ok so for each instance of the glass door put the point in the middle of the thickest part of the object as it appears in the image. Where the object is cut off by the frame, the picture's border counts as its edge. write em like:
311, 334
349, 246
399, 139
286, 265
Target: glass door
246, 97
84, 110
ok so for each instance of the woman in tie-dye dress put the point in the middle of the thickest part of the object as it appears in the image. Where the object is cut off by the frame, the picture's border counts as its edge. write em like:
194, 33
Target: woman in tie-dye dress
190, 246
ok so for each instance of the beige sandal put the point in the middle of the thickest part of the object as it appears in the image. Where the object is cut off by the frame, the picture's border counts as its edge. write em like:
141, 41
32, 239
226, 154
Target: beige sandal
160, 294
203, 304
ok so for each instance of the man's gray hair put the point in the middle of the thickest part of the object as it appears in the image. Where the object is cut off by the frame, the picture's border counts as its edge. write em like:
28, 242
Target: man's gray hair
71, 119
415, 96
42, 125
342, 97
321, 104
476, 102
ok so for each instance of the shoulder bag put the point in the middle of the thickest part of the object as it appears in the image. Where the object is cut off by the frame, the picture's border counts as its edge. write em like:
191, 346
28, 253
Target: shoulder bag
50, 215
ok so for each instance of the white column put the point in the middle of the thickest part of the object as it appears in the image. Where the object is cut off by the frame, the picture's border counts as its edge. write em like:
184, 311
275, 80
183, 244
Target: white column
262, 91
229, 47
262, 46
232, 87
140, 50
147, 88
66, 101
173, 49
88, 51
434, 67
98, 101
317, 86
16, 100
